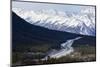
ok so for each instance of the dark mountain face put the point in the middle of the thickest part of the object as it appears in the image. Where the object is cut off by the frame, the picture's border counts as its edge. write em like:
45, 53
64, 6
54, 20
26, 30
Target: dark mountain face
86, 40
24, 33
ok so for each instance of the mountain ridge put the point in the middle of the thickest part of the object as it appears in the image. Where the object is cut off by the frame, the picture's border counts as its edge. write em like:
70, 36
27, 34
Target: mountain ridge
60, 21
25, 34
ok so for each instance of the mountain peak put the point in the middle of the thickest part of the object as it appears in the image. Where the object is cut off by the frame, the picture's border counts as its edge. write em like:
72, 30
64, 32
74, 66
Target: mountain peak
82, 23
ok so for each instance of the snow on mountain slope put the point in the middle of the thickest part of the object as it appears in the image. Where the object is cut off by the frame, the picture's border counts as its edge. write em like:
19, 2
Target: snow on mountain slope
81, 23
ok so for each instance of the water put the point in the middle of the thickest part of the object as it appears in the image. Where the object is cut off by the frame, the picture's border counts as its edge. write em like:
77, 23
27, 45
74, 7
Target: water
66, 48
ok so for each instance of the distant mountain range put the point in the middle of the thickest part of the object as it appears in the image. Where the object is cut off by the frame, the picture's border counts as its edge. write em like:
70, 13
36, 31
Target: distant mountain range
80, 23
25, 34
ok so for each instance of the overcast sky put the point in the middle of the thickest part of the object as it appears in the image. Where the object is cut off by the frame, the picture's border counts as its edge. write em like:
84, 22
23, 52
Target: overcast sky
39, 6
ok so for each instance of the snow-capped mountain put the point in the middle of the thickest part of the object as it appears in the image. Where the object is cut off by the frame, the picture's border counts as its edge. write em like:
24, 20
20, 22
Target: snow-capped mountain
80, 23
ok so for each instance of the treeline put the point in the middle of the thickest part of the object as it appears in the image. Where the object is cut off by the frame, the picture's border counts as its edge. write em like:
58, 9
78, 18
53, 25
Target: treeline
83, 53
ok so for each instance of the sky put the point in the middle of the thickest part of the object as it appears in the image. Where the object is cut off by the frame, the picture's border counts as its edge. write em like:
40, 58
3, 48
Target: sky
39, 6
